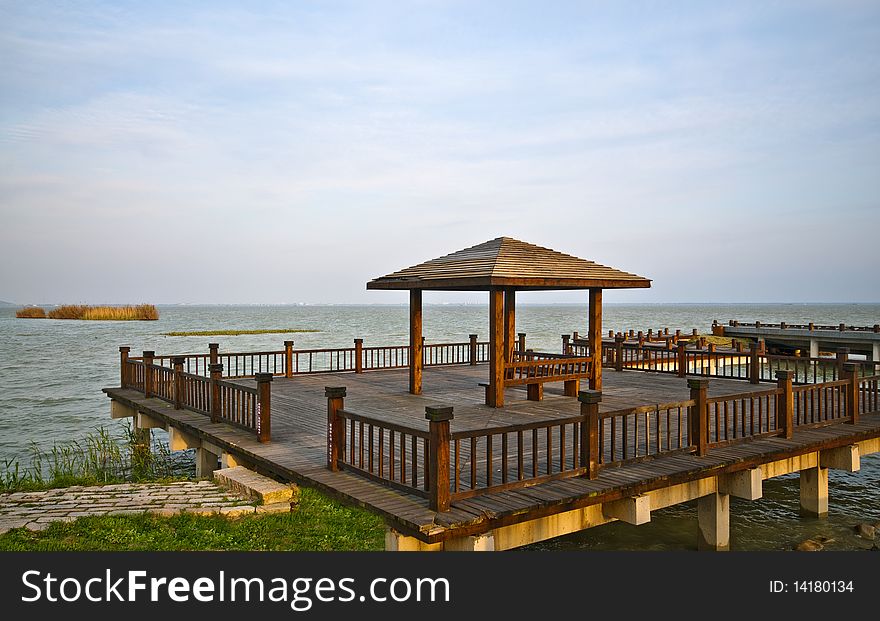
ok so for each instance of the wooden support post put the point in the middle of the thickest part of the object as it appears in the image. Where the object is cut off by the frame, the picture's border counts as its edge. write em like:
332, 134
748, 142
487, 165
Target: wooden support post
575, 336
535, 392
698, 423
288, 358
682, 358
216, 371
213, 353
566, 344
123, 366
754, 363
618, 352
785, 404
509, 323
415, 341
359, 355
438, 461
841, 357
496, 349
594, 332
472, 345
521, 341
571, 387
264, 406
851, 374
148, 372
589, 440
177, 365
335, 425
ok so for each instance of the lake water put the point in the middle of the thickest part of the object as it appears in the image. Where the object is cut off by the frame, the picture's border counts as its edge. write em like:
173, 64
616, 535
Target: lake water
52, 373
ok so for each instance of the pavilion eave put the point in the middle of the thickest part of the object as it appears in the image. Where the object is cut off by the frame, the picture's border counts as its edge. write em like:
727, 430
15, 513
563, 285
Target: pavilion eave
488, 283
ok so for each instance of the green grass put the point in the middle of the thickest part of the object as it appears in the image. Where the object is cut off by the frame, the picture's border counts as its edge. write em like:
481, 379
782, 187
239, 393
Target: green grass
317, 524
234, 332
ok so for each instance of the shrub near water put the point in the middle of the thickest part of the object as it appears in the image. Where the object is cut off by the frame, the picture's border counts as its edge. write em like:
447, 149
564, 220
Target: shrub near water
141, 312
31, 312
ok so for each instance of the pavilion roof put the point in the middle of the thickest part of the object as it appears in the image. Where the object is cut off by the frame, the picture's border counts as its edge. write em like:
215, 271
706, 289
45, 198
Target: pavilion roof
508, 262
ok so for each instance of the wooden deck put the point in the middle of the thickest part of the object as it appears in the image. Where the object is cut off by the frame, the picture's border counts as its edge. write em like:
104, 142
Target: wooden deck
298, 449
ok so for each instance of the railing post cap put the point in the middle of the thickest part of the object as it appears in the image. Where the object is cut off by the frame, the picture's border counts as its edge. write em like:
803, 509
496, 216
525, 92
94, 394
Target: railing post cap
359, 341
124, 348
843, 350
589, 396
619, 338
213, 345
784, 374
263, 377
851, 367
215, 367
177, 359
149, 353
473, 336
288, 343
698, 382
334, 392
436, 413
520, 333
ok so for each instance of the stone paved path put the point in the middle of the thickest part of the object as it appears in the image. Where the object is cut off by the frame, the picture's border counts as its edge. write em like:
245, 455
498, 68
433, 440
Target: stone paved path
36, 510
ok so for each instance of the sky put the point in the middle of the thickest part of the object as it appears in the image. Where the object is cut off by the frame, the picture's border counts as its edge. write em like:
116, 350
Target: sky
283, 152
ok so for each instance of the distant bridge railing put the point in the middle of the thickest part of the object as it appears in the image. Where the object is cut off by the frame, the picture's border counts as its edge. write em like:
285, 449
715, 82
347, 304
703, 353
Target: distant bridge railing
447, 465
841, 327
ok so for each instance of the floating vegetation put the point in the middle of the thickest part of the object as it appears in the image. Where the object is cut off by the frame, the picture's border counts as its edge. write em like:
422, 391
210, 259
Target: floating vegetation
31, 312
141, 312
235, 332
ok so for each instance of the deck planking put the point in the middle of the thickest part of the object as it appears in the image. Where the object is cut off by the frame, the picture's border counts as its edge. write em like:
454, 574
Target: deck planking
297, 451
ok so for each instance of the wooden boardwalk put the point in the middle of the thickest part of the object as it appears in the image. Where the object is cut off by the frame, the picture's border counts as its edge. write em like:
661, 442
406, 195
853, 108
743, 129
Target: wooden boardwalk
298, 449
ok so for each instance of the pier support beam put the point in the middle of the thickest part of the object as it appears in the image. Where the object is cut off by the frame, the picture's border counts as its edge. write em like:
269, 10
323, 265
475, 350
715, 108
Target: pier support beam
713, 521
814, 348
180, 441
844, 458
396, 542
120, 410
206, 462
814, 492
745, 484
635, 510
145, 421
476, 543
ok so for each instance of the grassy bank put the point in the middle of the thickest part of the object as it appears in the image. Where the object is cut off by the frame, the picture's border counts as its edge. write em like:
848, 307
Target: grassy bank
96, 459
141, 312
318, 524
236, 332
31, 312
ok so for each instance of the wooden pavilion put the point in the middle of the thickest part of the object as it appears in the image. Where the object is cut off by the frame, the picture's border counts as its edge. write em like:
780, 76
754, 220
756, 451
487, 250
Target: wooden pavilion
502, 267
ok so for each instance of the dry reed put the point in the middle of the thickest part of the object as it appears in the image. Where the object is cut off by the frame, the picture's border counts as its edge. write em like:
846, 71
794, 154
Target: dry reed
141, 312
31, 312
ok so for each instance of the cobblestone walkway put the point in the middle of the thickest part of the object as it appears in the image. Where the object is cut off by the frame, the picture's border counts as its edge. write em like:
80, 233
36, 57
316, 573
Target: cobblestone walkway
36, 510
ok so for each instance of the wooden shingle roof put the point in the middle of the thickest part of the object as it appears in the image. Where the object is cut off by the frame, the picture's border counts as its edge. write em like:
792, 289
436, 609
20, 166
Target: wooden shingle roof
507, 262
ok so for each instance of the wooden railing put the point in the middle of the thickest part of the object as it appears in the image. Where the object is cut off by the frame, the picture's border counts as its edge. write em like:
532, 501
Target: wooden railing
641, 431
743, 415
247, 407
869, 394
393, 454
447, 465
289, 362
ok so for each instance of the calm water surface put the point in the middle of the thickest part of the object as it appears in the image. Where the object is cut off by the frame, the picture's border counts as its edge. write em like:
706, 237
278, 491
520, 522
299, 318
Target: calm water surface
52, 372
